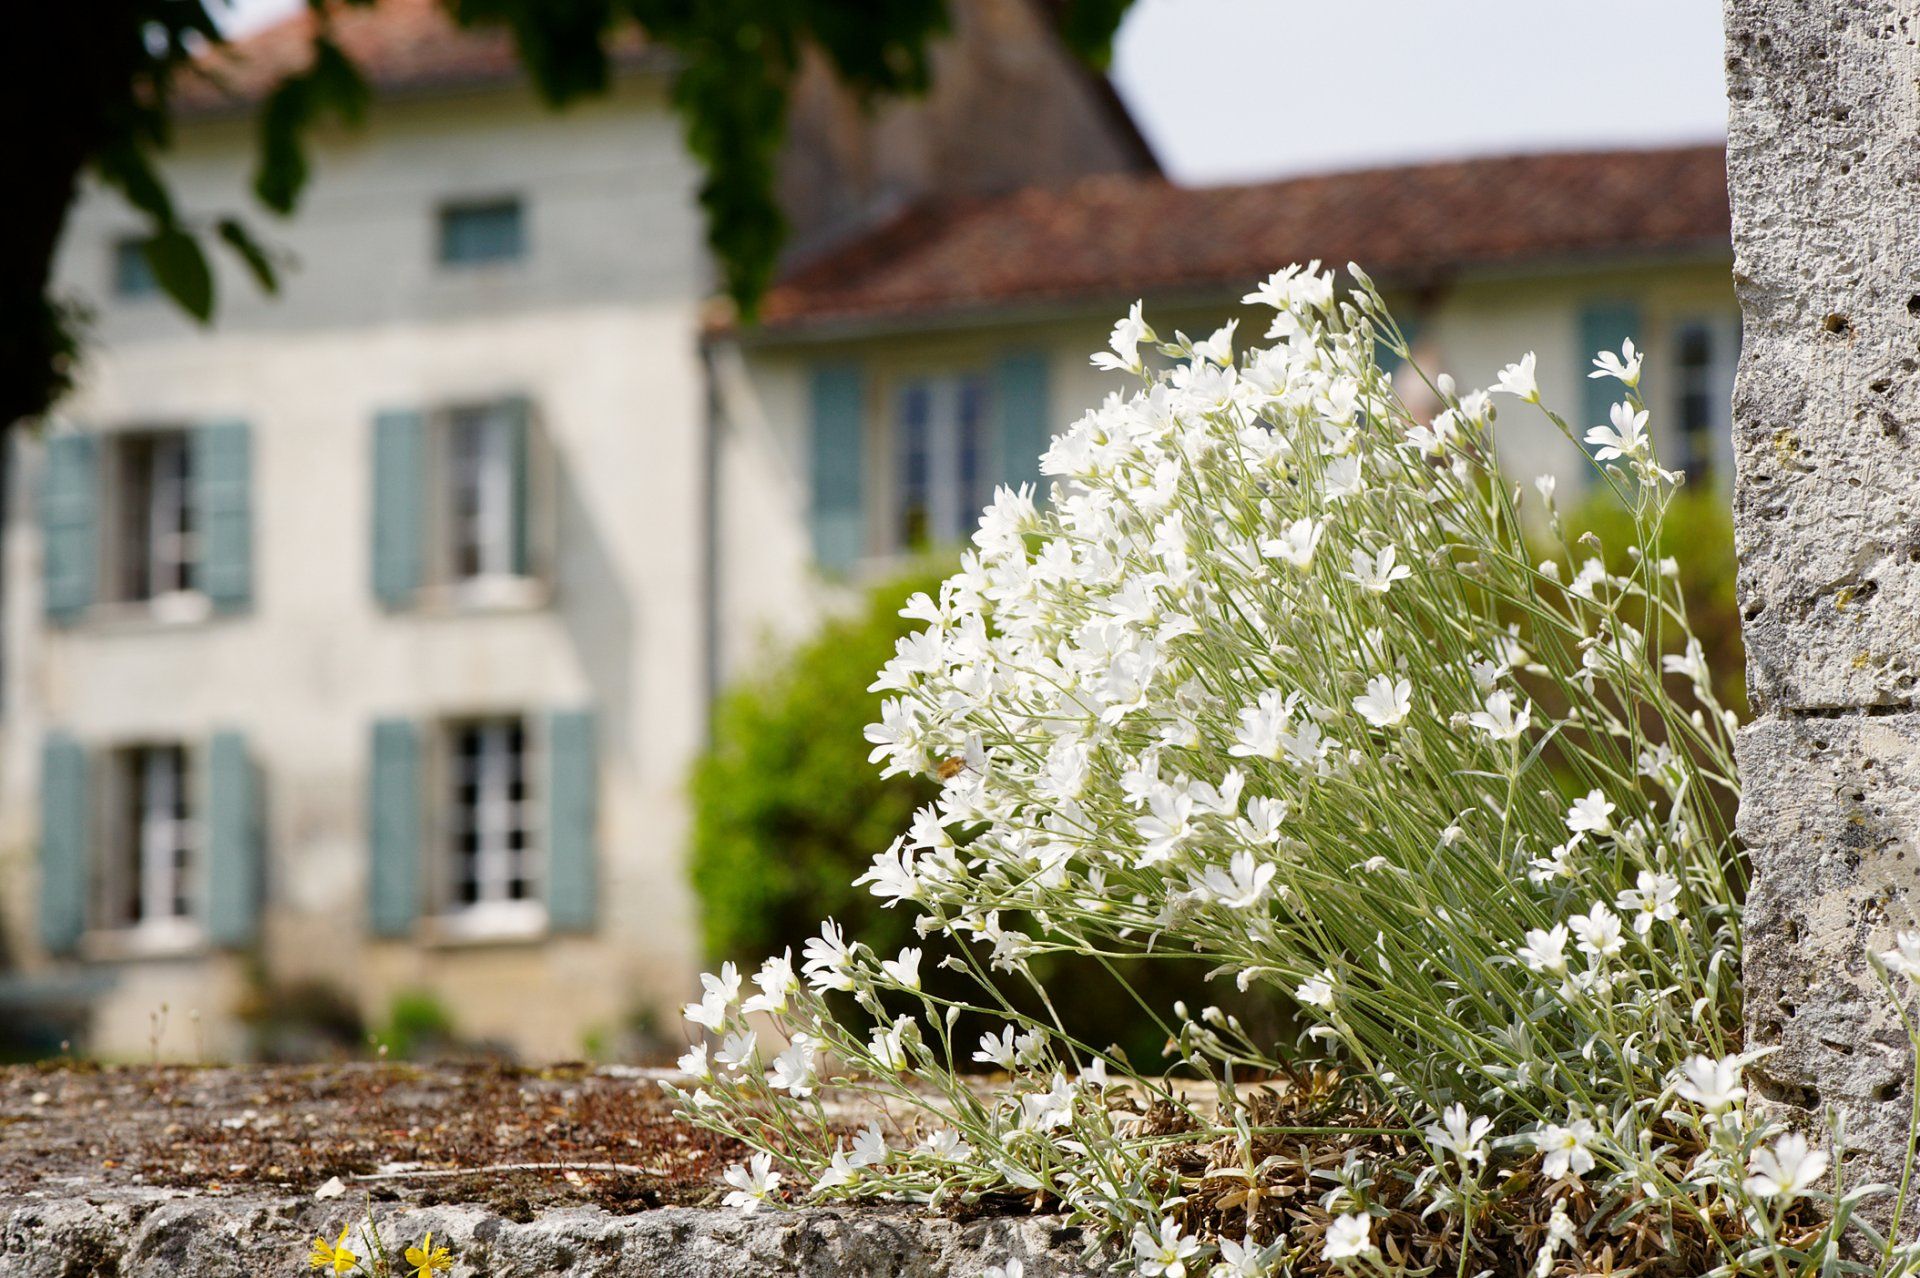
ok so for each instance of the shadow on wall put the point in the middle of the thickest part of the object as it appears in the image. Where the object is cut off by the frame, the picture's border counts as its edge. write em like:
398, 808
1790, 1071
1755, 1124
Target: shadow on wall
599, 615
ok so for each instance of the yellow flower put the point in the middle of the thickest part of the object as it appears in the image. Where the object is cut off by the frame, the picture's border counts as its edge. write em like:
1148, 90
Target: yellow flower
336, 1254
427, 1258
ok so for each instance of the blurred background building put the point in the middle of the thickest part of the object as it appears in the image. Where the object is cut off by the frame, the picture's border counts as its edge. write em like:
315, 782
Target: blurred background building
364, 642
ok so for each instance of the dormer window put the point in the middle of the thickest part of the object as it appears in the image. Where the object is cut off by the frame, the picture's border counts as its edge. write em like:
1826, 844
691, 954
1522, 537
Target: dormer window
482, 232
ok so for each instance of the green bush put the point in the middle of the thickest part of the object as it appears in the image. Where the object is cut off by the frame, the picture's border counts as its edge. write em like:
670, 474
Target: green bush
786, 807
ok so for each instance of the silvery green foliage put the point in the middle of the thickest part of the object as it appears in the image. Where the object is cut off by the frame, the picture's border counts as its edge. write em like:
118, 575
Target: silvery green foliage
1274, 678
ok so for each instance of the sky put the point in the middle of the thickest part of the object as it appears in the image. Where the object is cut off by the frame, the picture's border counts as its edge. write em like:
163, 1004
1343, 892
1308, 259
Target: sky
1238, 90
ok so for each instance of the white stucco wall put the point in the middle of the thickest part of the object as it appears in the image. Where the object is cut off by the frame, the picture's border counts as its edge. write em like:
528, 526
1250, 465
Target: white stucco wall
598, 327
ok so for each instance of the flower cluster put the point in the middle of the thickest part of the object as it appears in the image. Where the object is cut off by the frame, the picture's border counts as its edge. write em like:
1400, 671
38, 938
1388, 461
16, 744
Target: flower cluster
1273, 677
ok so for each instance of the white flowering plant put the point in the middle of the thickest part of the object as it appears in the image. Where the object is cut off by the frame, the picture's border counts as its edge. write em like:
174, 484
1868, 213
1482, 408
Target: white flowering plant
1274, 679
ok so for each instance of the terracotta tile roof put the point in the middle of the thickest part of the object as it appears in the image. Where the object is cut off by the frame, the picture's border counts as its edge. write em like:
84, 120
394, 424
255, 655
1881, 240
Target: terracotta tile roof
399, 45
1107, 236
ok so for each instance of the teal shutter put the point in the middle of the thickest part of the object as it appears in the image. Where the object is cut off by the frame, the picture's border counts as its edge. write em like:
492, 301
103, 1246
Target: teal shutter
63, 844
222, 476
1026, 422
399, 501
1603, 326
234, 869
519, 418
838, 471
573, 776
69, 521
394, 828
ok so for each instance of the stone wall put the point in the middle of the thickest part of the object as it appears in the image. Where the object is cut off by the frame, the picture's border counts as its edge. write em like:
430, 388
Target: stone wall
1826, 230
133, 1233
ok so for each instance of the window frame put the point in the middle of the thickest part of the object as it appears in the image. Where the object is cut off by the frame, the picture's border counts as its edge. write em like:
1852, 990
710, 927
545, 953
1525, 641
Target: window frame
493, 915
130, 276
950, 509
1722, 331
443, 585
129, 539
469, 251
128, 877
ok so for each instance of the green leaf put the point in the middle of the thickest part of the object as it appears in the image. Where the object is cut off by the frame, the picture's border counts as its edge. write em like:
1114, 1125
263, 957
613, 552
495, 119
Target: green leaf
127, 167
283, 158
252, 252
181, 270
337, 84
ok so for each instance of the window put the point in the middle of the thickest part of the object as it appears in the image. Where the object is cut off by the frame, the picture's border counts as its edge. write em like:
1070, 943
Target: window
1704, 352
941, 469
132, 274
156, 546
477, 233
483, 467
151, 838
488, 830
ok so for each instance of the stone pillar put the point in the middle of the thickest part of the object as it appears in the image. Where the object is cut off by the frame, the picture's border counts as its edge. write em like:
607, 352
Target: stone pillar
1823, 164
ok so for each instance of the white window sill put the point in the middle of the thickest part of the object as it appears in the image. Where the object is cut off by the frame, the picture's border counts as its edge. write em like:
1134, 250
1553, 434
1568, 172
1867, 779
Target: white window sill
485, 594
496, 923
165, 938
179, 609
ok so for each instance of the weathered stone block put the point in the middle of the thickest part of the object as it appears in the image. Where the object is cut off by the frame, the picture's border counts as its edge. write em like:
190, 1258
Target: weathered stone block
136, 1233
1825, 194
1831, 817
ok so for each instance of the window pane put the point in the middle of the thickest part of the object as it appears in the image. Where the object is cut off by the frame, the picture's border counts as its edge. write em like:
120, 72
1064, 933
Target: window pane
476, 233
970, 464
490, 837
1698, 409
480, 504
158, 542
132, 275
912, 444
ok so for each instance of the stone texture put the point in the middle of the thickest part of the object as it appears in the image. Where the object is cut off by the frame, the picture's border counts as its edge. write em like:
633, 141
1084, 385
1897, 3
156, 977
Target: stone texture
1832, 818
133, 1233
1825, 194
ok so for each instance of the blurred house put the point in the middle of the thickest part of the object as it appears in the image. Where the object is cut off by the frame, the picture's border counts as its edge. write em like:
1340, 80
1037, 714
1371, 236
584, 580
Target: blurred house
367, 638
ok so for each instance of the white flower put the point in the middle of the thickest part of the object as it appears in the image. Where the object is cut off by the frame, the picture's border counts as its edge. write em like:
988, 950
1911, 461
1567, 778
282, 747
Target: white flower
776, 981
839, 1171
1499, 719
869, 1147
889, 1046
1316, 991
1386, 702
753, 1183
1566, 1149
695, 1062
1625, 438
1242, 884
1653, 898
1904, 957
1247, 1259
1125, 341
1295, 545
1347, 1237
829, 959
1377, 573
893, 875
721, 992
737, 1050
1012, 1269
1599, 932
1518, 379
1164, 1255
1714, 1085
947, 1146
1546, 951
1624, 367
793, 1068
1464, 1137
903, 971
1344, 478
996, 1051
1218, 348
1591, 814
1788, 1170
